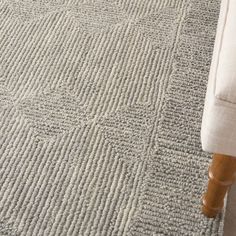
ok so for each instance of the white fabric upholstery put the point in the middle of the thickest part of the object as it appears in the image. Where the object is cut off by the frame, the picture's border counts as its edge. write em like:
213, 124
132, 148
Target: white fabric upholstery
219, 119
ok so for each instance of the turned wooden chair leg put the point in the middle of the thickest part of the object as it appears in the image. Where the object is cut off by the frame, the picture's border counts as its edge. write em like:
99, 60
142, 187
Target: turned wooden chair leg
221, 177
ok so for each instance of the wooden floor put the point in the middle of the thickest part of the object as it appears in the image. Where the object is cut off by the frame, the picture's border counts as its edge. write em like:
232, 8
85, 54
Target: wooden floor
230, 219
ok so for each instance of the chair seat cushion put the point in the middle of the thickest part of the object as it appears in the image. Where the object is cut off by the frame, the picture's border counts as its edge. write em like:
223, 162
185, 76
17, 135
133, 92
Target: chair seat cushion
218, 132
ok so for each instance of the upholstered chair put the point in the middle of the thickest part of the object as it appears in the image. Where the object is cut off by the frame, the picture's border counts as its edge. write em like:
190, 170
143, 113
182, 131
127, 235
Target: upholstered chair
218, 132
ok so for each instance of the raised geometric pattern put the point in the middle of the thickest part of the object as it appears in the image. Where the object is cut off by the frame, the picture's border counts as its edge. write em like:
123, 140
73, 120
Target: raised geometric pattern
53, 113
94, 16
29, 9
127, 130
99, 124
160, 27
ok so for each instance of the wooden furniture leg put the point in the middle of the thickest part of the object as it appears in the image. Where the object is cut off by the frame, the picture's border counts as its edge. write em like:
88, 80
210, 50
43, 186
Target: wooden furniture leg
221, 177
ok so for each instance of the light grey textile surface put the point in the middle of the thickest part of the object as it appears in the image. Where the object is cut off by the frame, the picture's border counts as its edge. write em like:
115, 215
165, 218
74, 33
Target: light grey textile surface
100, 114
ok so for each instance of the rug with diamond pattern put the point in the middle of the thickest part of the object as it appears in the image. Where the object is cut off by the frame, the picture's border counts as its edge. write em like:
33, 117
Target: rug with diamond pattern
100, 114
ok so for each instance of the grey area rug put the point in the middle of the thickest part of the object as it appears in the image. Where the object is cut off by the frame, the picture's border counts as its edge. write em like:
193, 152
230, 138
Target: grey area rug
100, 113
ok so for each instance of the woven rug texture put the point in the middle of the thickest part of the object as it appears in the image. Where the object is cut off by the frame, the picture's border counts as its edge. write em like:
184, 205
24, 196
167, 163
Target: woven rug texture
100, 115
